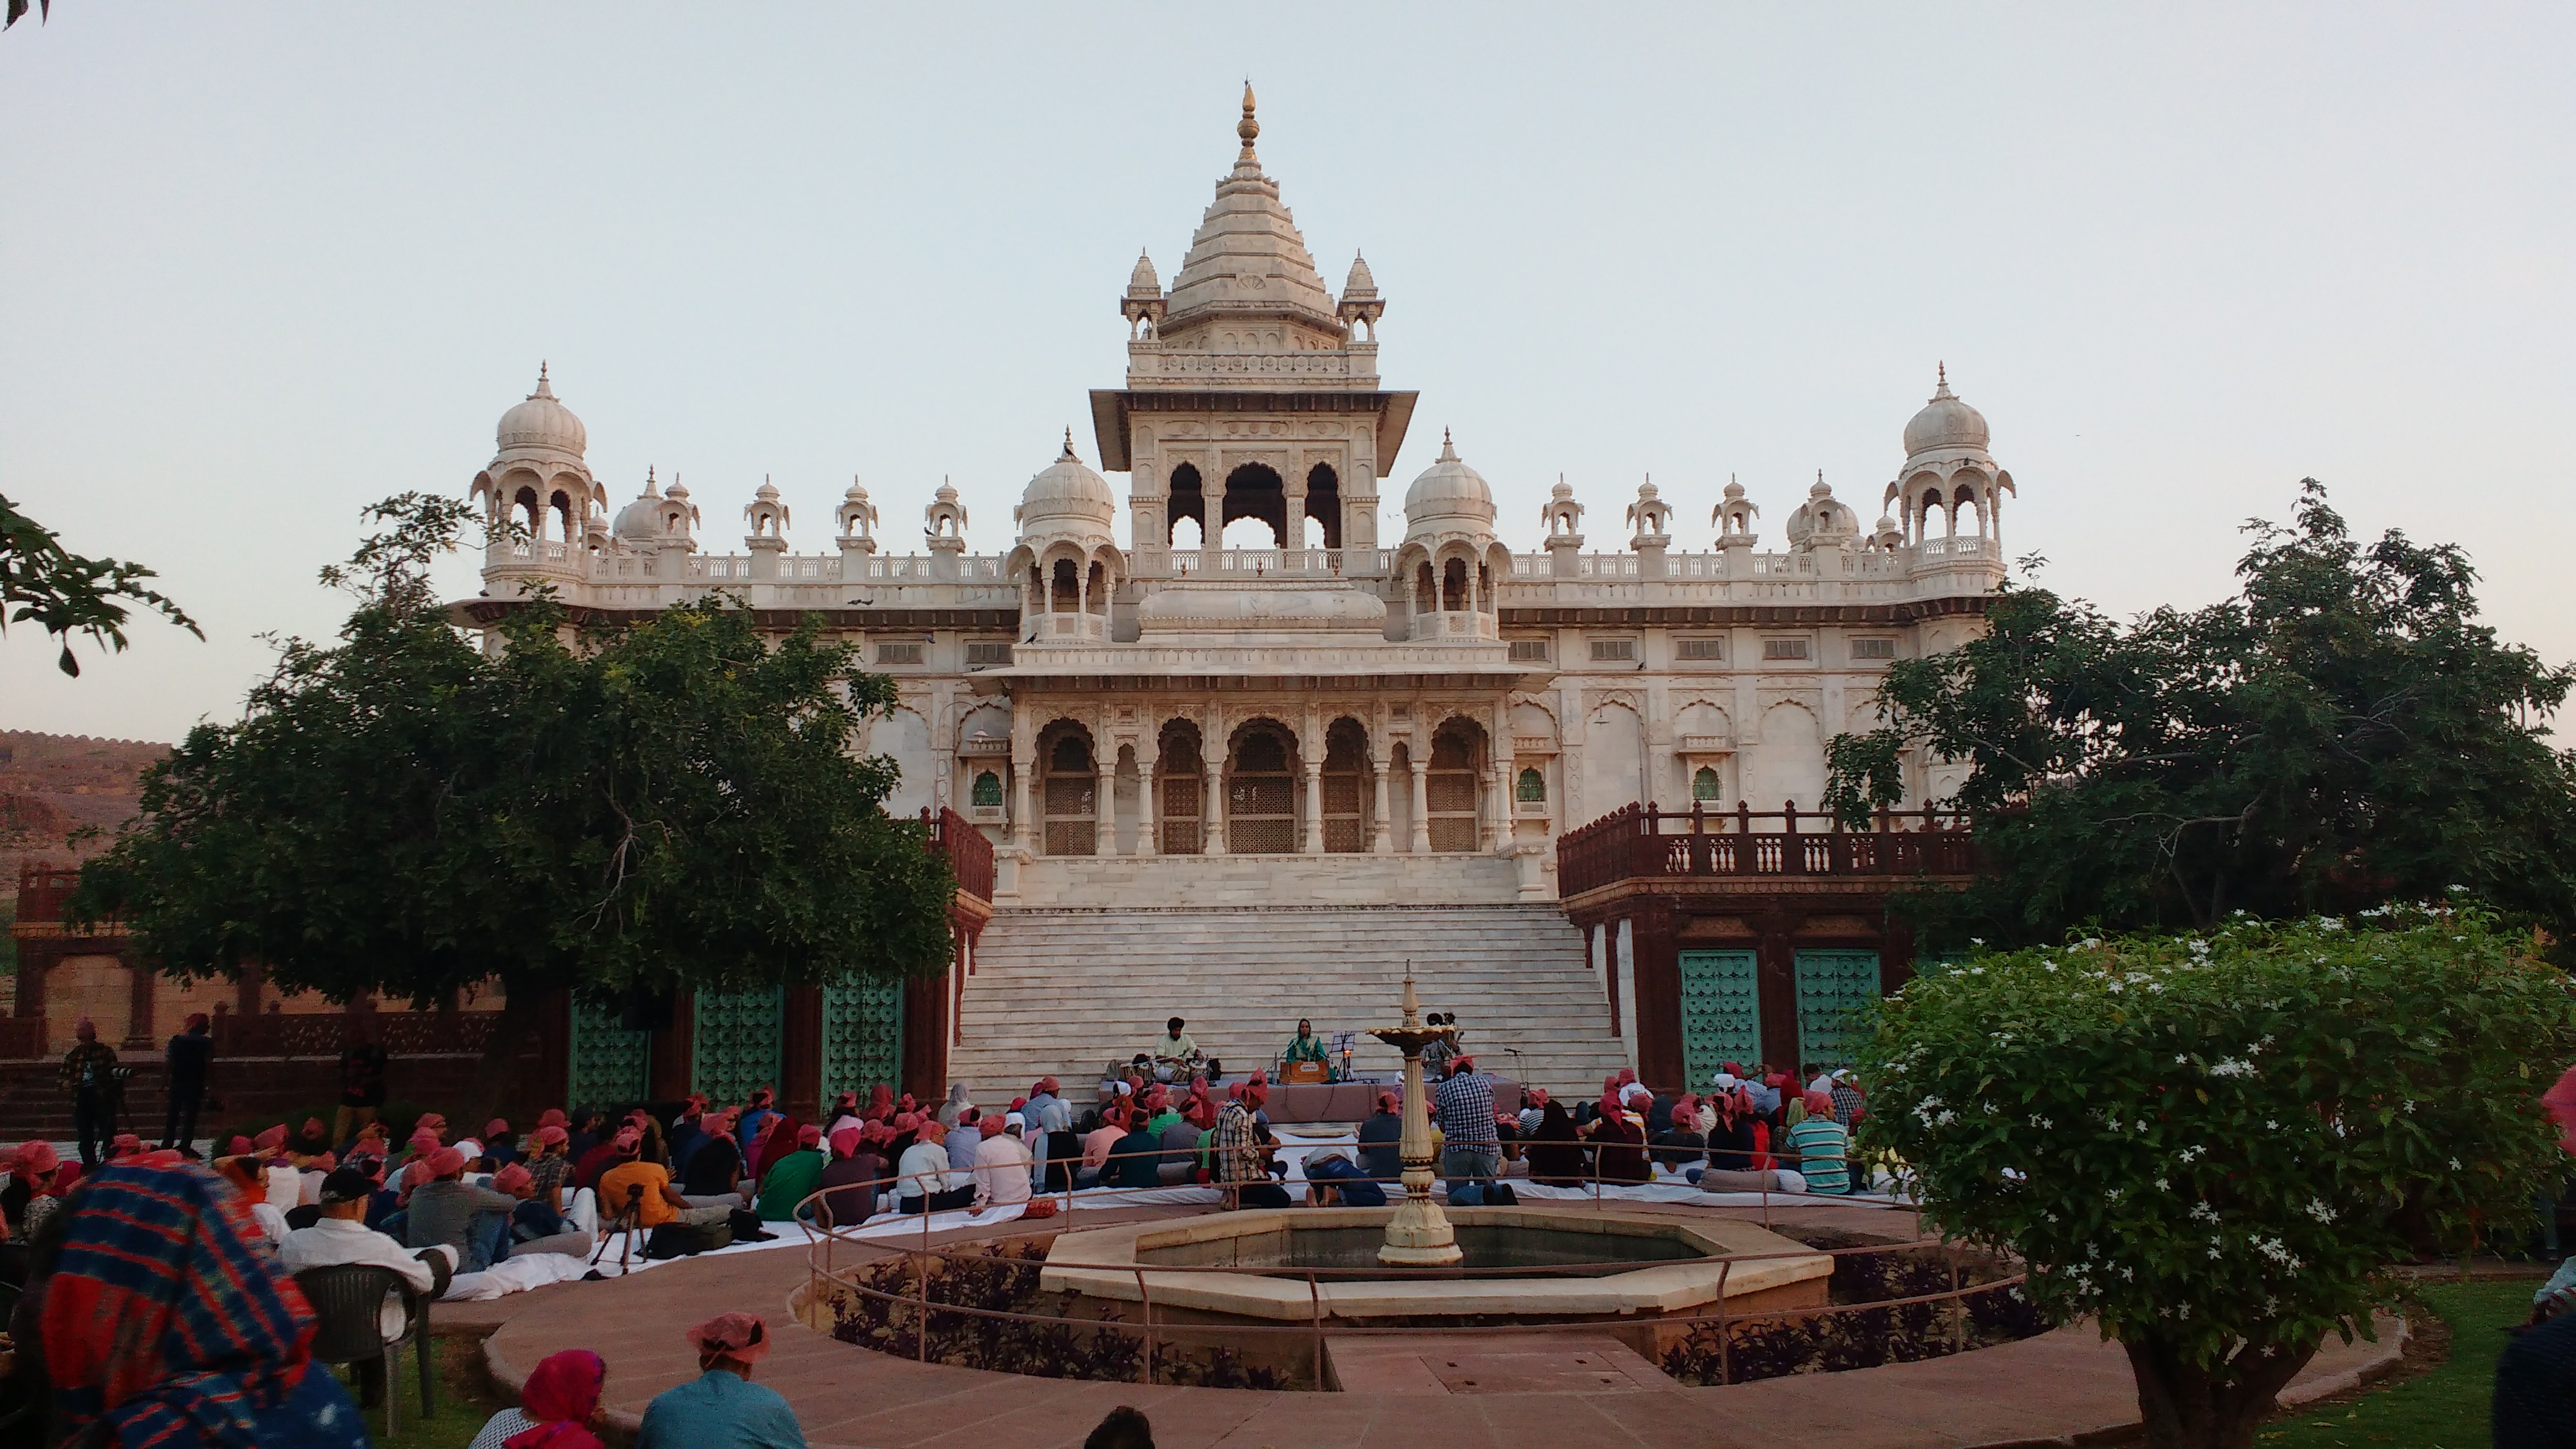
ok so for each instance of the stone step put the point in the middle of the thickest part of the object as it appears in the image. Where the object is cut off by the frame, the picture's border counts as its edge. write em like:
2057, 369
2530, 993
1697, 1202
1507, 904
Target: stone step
1064, 990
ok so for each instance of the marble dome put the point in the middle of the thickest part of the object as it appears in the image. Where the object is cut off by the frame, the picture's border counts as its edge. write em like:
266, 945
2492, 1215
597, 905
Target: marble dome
542, 422
1448, 492
1067, 491
1945, 422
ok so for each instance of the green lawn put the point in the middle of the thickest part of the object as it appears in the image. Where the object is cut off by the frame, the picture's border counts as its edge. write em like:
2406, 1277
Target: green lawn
465, 1400
2444, 1409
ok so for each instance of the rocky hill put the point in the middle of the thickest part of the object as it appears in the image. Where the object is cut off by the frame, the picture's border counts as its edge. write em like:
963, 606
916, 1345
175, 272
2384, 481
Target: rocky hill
53, 785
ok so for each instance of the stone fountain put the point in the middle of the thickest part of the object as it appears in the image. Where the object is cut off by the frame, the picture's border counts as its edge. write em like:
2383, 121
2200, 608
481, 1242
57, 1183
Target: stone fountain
1419, 1234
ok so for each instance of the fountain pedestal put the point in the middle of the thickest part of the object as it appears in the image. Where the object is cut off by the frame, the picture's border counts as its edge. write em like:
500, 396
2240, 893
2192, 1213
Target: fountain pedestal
1419, 1234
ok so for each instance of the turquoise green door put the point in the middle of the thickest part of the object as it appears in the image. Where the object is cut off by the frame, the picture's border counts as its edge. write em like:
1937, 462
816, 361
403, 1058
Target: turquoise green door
610, 1065
1836, 989
862, 1036
734, 1042
1721, 1013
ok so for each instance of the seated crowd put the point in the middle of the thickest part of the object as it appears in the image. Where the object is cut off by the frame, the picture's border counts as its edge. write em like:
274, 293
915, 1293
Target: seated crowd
438, 1206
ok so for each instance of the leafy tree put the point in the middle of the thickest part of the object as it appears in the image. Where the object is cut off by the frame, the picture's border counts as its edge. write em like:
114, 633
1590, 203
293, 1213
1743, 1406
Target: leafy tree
66, 594
673, 803
2341, 733
2213, 1145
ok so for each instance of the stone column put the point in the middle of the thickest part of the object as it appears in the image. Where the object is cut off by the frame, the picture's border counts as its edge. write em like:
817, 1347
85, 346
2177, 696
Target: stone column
1421, 802
1314, 811
1494, 808
1212, 808
1148, 824
1023, 826
1381, 831
1104, 806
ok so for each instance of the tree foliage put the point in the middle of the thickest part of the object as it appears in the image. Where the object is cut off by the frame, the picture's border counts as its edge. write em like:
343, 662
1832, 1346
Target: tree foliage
669, 803
2341, 733
64, 594
2214, 1144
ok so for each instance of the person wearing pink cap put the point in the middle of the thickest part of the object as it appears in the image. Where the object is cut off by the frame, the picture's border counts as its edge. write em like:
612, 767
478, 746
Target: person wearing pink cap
1003, 1163
852, 1179
446, 1209
29, 1197
88, 1072
722, 1408
536, 1226
793, 1177
549, 1167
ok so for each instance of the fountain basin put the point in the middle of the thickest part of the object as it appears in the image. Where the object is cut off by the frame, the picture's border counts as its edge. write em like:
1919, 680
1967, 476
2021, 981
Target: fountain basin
1635, 1264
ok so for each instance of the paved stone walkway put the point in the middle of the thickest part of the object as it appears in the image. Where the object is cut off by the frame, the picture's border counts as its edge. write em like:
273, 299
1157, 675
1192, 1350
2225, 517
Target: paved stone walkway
2065, 1387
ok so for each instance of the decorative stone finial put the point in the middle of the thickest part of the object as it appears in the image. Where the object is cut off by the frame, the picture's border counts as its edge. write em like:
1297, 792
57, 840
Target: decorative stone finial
1068, 446
1942, 375
543, 389
1448, 450
1247, 128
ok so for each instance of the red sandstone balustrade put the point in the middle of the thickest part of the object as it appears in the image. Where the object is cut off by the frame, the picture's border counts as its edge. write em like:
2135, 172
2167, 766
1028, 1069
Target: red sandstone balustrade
969, 852
1644, 842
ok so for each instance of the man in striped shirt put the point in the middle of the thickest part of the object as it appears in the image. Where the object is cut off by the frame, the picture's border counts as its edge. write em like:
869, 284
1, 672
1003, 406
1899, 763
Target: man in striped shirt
1471, 1151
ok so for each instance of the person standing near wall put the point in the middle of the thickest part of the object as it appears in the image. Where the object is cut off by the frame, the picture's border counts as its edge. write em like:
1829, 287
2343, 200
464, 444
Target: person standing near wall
191, 1056
89, 1074
362, 1082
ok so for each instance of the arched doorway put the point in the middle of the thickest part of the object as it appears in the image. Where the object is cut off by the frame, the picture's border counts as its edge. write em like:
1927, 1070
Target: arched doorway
1261, 791
1346, 787
1456, 762
1070, 796
1179, 782
1187, 500
1324, 503
1255, 491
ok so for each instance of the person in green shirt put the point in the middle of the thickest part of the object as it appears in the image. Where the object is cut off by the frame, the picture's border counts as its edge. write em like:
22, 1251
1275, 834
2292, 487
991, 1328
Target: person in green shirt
1306, 1048
794, 1177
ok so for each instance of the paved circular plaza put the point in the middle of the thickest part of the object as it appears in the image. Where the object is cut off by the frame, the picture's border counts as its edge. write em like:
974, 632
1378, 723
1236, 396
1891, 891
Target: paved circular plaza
2064, 1387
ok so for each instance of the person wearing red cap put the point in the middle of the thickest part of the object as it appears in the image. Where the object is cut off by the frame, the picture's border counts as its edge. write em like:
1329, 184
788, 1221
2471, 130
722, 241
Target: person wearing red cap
446, 1210
793, 1177
549, 1168
722, 1408
536, 1225
191, 1055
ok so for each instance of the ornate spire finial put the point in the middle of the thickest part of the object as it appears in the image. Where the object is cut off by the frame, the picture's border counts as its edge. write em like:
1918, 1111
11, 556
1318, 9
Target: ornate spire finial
1068, 442
1448, 450
1941, 377
542, 389
1247, 128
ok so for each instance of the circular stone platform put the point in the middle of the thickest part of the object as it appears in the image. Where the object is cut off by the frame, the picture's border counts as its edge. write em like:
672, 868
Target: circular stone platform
2065, 1386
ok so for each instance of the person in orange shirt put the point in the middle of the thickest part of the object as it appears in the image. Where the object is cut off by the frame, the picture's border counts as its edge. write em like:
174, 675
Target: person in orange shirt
648, 1184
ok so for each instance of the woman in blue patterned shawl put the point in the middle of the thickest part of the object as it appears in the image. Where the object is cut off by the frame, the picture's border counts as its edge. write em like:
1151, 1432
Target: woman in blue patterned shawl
164, 1317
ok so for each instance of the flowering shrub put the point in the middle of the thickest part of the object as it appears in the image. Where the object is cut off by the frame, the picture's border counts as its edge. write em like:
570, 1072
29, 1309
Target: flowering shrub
2213, 1144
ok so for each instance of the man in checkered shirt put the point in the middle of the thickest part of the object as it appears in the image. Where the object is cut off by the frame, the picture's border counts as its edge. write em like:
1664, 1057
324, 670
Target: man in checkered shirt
1471, 1151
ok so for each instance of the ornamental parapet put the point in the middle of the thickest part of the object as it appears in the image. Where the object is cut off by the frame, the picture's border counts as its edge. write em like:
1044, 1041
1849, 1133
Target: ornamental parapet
1644, 845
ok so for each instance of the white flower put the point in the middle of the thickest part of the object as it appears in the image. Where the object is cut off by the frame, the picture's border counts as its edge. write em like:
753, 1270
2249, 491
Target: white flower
2194, 1152
1946, 1118
2163, 1186
1976, 970
2129, 1273
2455, 1164
2271, 1126
2182, 1061
2088, 943
2232, 1067
2317, 1209
2204, 1212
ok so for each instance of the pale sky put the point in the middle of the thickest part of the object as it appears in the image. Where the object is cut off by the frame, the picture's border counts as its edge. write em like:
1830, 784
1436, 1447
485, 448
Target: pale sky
260, 265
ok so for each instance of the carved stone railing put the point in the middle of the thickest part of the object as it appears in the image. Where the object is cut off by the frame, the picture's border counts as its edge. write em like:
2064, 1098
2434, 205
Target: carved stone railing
325, 1033
1642, 842
969, 851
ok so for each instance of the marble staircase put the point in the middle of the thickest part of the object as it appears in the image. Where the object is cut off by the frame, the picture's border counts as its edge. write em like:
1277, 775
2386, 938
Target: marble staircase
1065, 990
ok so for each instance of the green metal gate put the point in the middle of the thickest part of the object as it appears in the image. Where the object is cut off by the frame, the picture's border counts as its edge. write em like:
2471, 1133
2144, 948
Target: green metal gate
1836, 989
735, 1042
1721, 1013
862, 1035
610, 1066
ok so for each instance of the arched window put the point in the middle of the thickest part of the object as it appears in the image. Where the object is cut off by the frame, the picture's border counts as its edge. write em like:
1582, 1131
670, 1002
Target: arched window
1346, 787
1324, 503
1261, 795
1531, 789
988, 790
1255, 491
1071, 798
1426, 594
1704, 784
1177, 789
1068, 588
1451, 786
1453, 586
